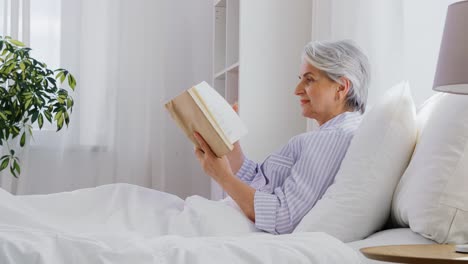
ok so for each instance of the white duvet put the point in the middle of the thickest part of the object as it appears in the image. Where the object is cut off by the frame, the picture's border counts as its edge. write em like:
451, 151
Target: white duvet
123, 223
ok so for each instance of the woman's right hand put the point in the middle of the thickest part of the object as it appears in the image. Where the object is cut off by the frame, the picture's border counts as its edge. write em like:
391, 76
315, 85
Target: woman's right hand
235, 106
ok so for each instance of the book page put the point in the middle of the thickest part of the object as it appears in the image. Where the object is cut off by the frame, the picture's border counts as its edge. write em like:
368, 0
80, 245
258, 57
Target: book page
226, 118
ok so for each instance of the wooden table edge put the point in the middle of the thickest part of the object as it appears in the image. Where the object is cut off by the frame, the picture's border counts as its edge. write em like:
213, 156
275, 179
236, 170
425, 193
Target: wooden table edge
410, 259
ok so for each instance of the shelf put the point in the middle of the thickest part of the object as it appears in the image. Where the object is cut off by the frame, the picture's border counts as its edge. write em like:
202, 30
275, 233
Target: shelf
220, 76
219, 38
232, 68
225, 59
232, 32
220, 86
220, 3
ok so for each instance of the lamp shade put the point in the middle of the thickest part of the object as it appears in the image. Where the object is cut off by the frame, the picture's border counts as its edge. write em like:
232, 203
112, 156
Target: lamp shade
452, 66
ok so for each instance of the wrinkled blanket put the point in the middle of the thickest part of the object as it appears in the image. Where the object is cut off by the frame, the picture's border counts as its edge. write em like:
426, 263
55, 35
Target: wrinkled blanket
122, 223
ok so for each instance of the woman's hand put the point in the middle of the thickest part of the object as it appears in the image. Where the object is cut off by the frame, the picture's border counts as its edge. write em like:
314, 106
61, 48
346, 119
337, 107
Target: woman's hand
216, 168
235, 106
220, 170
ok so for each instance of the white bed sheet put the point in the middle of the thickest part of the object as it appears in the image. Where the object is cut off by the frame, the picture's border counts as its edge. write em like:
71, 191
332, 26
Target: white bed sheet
397, 236
123, 223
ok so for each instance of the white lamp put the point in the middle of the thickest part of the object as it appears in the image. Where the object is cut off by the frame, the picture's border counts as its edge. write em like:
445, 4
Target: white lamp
452, 68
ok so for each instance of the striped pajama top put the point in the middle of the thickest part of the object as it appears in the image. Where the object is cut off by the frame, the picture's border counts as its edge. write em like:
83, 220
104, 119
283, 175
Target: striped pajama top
290, 181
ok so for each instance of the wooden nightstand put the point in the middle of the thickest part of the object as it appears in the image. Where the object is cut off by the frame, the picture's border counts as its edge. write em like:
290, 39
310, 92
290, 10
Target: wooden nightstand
424, 254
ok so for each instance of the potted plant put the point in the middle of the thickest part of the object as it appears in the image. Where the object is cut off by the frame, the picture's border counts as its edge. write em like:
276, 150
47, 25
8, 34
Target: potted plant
29, 93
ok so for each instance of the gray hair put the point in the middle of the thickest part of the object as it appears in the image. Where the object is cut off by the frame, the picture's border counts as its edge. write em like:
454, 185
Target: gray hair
342, 59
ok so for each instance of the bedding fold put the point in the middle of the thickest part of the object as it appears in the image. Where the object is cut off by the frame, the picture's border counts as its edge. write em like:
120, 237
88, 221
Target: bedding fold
122, 223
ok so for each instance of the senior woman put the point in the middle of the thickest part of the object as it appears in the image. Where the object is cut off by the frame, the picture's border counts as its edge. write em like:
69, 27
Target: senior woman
278, 193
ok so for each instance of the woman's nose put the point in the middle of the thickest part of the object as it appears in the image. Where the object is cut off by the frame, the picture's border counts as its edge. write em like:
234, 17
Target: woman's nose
299, 90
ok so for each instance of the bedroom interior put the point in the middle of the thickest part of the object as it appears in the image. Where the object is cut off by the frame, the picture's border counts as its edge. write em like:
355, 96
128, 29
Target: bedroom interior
121, 183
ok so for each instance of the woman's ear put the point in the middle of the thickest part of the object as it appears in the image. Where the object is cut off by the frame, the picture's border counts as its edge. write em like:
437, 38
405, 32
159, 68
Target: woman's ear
344, 87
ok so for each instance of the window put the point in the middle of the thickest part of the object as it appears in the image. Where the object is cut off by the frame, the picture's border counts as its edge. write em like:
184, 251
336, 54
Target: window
45, 36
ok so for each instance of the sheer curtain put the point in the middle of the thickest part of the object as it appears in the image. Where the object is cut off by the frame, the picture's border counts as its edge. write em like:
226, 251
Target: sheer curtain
129, 57
401, 38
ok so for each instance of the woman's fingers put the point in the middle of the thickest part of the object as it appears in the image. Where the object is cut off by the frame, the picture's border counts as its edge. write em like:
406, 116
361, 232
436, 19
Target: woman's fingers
199, 153
235, 106
203, 145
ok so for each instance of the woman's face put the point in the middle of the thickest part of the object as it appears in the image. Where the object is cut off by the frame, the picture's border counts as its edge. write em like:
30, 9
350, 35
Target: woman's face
317, 93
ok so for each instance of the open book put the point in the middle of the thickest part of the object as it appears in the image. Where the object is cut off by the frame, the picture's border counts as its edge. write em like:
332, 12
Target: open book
204, 110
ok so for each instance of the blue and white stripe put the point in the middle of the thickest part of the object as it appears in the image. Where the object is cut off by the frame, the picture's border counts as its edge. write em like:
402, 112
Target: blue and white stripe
290, 181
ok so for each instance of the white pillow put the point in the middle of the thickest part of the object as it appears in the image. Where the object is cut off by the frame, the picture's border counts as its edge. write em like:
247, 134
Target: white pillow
432, 196
358, 202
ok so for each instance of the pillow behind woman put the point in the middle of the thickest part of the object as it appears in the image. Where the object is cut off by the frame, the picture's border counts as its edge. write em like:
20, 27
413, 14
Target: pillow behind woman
358, 202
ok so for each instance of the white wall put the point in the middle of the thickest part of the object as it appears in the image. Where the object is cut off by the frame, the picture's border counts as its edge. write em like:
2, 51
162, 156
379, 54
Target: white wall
190, 47
401, 38
272, 36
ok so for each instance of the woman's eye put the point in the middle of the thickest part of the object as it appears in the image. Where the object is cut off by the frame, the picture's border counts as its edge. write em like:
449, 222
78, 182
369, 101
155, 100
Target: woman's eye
310, 80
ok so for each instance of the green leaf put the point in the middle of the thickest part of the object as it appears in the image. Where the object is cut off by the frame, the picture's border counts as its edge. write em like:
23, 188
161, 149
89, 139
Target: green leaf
2, 115
60, 123
59, 75
12, 152
9, 69
48, 115
38, 101
17, 167
23, 139
71, 81
51, 80
4, 164
27, 95
4, 157
12, 170
58, 115
34, 116
40, 121
69, 103
28, 104
67, 118
17, 42
15, 131
8, 57
62, 77
22, 66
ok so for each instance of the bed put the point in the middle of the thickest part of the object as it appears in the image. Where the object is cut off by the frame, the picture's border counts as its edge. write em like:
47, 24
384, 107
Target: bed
122, 223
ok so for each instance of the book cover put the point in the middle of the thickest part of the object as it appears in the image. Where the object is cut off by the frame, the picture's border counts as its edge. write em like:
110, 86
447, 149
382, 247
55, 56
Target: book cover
204, 110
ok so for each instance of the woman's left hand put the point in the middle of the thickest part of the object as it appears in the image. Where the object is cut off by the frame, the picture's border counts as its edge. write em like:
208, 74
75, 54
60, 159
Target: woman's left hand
216, 168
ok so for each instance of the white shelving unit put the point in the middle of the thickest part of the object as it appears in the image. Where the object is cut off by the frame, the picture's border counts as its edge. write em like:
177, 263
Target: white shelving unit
225, 59
226, 49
